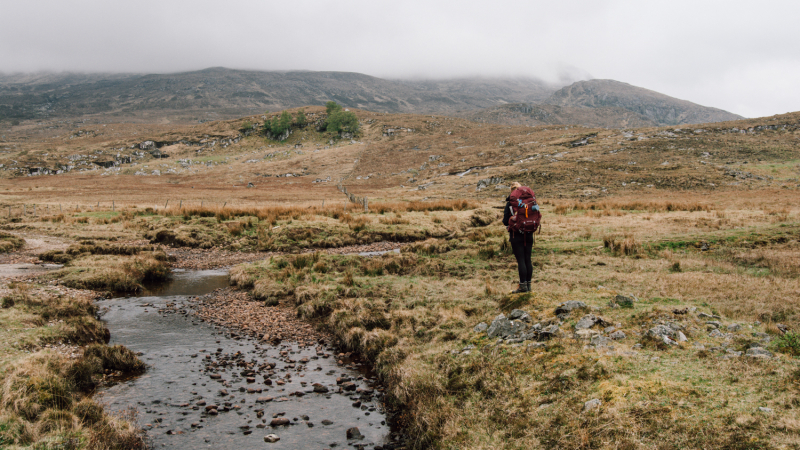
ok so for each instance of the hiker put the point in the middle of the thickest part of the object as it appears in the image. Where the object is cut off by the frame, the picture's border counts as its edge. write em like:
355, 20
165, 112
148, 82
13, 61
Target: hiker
522, 218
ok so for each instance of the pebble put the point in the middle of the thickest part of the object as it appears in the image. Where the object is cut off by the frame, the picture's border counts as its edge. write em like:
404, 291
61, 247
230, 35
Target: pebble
271, 438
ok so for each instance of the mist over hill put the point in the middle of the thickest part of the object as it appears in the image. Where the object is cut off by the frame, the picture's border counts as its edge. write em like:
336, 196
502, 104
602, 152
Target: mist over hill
220, 93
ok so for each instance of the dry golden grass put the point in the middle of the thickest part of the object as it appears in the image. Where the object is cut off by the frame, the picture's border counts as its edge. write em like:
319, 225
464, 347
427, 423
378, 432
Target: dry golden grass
43, 394
634, 217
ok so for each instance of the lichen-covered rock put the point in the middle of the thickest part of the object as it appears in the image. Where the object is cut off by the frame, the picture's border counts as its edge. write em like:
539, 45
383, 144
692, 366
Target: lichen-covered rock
567, 307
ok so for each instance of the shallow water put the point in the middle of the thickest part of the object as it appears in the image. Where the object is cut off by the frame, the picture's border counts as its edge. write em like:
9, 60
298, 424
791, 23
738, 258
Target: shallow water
378, 253
177, 347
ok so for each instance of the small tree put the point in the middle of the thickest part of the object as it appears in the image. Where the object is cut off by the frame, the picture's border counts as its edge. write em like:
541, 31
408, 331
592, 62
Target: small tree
279, 124
301, 120
331, 107
342, 121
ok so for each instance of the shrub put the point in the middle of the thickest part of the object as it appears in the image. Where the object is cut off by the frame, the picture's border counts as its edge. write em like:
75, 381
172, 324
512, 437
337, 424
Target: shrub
301, 119
342, 122
788, 343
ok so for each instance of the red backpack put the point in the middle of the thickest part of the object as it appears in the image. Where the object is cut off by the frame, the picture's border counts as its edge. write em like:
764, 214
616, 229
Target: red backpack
526, 217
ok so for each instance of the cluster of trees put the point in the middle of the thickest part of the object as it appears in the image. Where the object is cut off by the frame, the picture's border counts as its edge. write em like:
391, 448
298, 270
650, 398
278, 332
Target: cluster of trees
338, 121
280, 124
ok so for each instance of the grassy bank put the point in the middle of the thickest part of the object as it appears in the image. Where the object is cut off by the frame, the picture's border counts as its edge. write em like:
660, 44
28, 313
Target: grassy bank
413, 315
53, 356
116, 268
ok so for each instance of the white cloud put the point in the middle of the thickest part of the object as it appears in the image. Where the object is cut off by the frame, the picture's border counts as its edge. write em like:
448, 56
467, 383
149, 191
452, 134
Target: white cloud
733, 54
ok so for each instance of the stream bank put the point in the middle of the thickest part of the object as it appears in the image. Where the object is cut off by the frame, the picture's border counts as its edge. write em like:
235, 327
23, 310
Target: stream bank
213, 386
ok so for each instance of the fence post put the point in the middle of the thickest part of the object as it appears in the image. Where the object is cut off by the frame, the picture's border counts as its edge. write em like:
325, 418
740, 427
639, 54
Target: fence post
9, 211
165, 204
113, 207
180, 205
323, 203
366, 205
24, 210
59, 208
201, 204
34, 210
223, 205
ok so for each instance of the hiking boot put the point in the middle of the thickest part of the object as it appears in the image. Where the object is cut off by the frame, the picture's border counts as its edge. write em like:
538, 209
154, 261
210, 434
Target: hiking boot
521, 289
528, 286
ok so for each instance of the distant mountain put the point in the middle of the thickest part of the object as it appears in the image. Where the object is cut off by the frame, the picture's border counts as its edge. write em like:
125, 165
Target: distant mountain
526, 114
602, 103
218, 93
662, 109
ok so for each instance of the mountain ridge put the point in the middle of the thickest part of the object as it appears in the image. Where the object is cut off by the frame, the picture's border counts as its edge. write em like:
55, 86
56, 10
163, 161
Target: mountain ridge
219, 93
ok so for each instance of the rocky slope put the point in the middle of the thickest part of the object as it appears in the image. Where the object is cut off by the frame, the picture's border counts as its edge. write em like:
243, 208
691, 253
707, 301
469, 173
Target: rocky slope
219, 93
659, 108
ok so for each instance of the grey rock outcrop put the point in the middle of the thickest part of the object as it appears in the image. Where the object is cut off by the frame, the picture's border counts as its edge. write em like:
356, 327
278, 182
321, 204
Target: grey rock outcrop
588, 321
502, 327
566, 307
592, 405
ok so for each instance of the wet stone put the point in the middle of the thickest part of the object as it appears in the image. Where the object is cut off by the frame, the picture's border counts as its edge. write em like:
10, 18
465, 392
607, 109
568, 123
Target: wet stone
279, 422
354, 433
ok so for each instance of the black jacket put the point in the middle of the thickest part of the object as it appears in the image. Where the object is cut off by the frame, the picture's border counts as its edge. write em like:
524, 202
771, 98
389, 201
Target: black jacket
507, 211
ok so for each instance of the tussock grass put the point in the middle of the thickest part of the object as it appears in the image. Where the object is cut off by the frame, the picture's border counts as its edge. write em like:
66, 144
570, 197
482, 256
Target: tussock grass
413, 313
43, 395
9, 242
115, 273
606, 207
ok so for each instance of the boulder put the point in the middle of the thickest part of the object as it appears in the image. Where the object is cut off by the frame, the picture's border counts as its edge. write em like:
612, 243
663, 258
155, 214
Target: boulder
481, 327
660, 331
617, 335
758, 352
588, 321
591, 405
271, 438
600, 341
623, 301
567, 307
502, 327
715, 333
548, 332
519, 314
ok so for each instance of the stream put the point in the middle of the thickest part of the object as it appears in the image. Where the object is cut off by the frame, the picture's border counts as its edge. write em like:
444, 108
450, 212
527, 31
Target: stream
206, 387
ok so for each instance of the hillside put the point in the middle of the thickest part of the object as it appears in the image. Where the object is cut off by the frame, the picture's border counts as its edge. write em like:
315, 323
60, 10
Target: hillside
636, 333
398, 156
661, 109
604, 104
542, 114
220, 93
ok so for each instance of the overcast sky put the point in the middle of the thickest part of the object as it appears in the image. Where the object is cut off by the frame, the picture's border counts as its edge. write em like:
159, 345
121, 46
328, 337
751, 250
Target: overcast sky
741, 56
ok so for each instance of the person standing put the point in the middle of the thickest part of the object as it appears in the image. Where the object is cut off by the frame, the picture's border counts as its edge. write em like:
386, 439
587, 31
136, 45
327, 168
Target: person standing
522, 218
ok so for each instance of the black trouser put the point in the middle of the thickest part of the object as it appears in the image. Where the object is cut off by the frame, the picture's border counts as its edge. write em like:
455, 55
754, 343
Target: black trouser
521, 245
